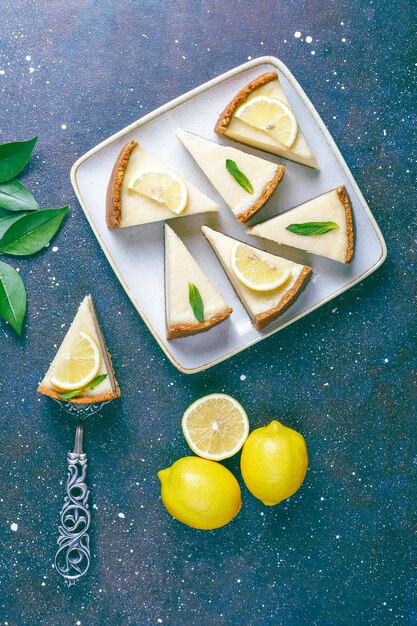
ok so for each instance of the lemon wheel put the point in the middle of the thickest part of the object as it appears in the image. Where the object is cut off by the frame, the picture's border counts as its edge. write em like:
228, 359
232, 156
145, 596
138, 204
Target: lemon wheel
164, 187
254, 271
80, 365
272, 116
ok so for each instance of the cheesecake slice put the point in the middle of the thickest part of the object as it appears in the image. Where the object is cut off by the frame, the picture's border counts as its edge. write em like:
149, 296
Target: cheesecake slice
126, 207
262, 306
192, 304
230, 125
263, 175
84, 321
332, 207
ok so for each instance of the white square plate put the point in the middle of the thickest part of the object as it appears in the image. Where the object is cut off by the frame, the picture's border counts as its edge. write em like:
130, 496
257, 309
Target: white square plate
137, 253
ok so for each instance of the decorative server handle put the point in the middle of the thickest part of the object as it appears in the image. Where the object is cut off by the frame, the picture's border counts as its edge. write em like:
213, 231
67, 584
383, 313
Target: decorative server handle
72, 559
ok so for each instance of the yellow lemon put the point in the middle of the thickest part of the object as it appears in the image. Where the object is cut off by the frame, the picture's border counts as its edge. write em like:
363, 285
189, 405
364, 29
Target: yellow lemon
200, 493
274, 462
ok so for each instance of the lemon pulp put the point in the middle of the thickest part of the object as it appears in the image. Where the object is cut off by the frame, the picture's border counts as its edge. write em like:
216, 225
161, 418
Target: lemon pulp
215, 426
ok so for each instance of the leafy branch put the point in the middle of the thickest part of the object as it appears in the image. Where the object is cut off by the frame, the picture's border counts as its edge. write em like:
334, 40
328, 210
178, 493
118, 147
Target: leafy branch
25, 228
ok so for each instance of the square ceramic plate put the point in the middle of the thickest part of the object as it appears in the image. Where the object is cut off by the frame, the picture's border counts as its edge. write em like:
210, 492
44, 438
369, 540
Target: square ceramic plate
137, 253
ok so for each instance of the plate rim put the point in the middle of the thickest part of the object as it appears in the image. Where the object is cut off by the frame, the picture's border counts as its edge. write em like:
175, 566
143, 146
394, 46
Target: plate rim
283, 69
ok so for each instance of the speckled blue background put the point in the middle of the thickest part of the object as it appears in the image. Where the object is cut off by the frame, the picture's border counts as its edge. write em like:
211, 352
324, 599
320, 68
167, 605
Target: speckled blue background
340, 550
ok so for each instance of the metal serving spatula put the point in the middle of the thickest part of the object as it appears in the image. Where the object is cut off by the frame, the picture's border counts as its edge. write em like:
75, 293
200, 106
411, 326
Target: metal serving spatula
72, 558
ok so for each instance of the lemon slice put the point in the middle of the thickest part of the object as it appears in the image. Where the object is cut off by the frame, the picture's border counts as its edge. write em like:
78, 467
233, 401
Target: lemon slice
215, 426
271, 116
254, 272
164, 187
80, 365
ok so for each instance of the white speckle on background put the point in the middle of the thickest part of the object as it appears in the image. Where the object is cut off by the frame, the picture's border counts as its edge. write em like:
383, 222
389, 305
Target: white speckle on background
243, 377
385, 132
2, 72
297, 34
14, 527
385, 360
249, 58
121, 515
28, 57
63, 126
55, 249
343, 40
309, 39
31, 70
313, 52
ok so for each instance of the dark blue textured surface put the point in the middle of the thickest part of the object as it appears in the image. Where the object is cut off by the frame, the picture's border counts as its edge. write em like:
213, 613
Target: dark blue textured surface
340, 551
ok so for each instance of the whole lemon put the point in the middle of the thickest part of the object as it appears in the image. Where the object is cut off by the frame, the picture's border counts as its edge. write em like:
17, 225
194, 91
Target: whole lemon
200, 493
274, 462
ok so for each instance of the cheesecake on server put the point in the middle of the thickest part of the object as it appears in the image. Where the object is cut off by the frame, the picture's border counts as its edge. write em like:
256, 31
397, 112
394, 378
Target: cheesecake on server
263, 307
296, 227
126, 206
214, 159
192, 304
84, 324
231, 124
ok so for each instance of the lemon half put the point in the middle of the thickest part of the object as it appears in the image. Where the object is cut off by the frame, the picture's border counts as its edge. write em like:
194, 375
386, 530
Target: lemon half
215, 426
164, 187
272, 116
254, 271
80, 365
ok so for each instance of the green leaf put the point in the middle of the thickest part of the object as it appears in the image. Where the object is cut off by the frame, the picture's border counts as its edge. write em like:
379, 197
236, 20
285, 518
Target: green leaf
32, 232
309, 229
196, 302
77, 392
7, 219
13, 299
14, 156
239, 176
15, 197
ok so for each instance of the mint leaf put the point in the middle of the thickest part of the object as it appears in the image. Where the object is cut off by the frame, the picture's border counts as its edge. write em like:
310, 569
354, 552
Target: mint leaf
77, 392
15, 197
196, 302
32, 232
13, 299
14, 156
239, 176
308, 229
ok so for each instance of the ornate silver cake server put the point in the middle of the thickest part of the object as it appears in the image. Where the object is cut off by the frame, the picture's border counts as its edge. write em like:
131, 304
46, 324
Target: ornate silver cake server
72, 558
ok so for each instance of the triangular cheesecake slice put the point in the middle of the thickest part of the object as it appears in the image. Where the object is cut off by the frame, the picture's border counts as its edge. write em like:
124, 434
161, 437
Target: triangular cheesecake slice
332, 208
231, 126
126, 207
263, 175
192, 304
262, 306
84, 321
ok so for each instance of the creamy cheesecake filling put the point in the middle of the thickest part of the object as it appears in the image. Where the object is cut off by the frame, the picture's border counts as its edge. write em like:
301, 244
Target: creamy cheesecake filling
238, 130
255, 302
211, 157
139, 209
180, 270
325, 208
86, 320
